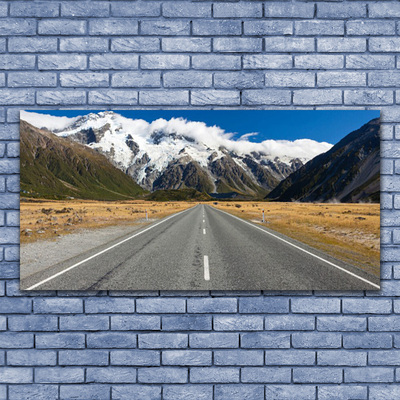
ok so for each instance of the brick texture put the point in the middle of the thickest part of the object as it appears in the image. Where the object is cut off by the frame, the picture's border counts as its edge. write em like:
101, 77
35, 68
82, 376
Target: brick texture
203, 54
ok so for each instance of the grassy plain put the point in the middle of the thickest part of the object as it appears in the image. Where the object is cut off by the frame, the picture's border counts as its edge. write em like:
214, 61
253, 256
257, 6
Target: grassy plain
46, 219
349, 232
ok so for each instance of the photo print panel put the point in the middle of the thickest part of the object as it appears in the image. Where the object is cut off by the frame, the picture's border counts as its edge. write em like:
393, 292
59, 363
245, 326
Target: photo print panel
200, 200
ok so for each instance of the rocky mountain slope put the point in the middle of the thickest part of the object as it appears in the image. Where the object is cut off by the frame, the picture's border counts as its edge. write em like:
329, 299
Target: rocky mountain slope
179, 154
56, 167
349, 172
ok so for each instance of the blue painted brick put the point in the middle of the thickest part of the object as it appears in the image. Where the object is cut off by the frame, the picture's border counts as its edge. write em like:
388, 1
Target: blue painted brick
317, 375
212, 305
346, 392
237, 10
290, 357
186, 323
111, 375
162, 375
287, 392
342, 78
341, 323
324, 306
3, 9
265, 96
19, 26
179, 392
57, 306
239, 392
15, 306
217, 27
135, 9
382, 392
317, 27
260, 340
135, 357
62, 61
214, 375
61, 27
319, 61
288, 44
64, 97
289, 323
83, 357
87, 45
16, 340
37, 392
186, 79
84, 79
216, 62
341, 11
135, 322
238, 357
185, 9
215, 97
111, 340
316, 97
368, 97
369, 374
193, 45
60, 375
267, 61
34, 9
186, 357
163, 340
384, 357
266, 375
32, 44
382, 10
84, 323
136, 392
371, 27
371, 62
110, 305
238, 323
16, 375
136, 44
342, 358
164, 61
31, 357
165, 28
32, 323
12, 217
3, 323
341, 45
268, 27
367, 341
288, 10
386, 323
239, 45
93, 391
17, 61
384, 44
113, 27
264, 305
159, 98
85, 9
316, 340
136, 79
214, 340
367, 306
113, 61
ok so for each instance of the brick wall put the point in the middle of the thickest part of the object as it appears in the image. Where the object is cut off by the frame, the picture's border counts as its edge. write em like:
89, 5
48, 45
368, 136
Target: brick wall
199, 345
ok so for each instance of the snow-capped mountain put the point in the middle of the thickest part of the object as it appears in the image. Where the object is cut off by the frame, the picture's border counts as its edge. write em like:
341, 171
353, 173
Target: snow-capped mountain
179, 153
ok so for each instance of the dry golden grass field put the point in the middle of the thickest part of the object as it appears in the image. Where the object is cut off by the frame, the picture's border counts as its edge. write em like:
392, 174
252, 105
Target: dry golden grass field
349, 232
46, 219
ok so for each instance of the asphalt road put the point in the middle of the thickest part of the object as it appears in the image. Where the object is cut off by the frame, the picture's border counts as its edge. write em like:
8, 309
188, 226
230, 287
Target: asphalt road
202, 248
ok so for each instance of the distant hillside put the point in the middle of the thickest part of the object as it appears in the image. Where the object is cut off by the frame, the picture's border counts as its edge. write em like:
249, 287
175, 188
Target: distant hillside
178, 195
57, 168
349, 172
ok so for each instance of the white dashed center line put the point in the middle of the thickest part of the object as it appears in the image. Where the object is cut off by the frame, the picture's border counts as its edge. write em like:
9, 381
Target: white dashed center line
204, 231
206, 269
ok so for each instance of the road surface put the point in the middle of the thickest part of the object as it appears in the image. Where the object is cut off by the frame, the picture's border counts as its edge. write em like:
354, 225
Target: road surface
202, 248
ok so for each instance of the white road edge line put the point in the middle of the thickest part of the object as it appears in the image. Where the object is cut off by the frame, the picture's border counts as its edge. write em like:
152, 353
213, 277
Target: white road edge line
103, 251
204, 231
206, 269
305, 251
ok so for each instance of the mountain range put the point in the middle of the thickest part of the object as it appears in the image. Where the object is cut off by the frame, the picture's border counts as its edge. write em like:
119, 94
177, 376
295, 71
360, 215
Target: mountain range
349, 172
181, 155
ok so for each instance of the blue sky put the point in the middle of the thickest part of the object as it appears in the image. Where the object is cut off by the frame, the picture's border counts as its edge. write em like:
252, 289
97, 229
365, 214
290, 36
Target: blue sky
323, 126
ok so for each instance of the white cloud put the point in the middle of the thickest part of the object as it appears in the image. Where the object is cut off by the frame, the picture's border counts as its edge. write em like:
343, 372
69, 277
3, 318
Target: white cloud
50, 122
